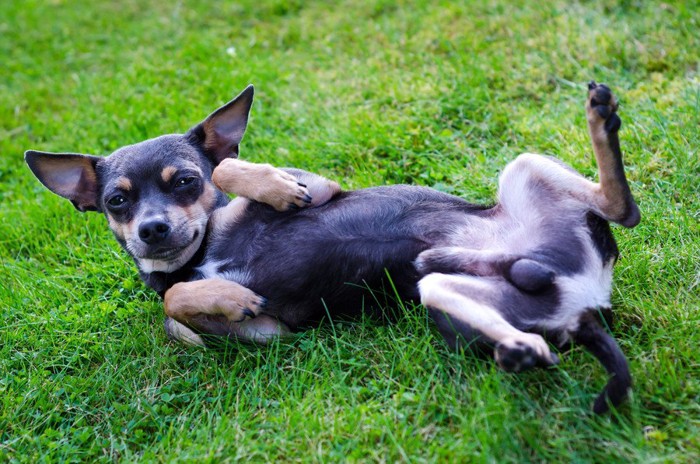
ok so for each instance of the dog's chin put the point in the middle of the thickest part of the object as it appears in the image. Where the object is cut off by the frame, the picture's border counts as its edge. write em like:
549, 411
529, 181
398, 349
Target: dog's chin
170, 259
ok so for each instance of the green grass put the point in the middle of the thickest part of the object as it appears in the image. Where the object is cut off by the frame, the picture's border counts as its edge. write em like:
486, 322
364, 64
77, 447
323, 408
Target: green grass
432, 93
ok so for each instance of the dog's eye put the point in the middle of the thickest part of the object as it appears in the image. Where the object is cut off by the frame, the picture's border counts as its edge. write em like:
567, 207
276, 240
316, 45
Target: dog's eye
184, 181
116, 201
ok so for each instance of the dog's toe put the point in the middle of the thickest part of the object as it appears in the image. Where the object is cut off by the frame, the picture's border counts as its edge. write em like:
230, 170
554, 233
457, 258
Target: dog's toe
523, 353
515, 358
242, 306
602, 104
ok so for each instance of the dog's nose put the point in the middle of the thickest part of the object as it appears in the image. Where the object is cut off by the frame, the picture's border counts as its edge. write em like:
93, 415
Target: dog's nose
152, 232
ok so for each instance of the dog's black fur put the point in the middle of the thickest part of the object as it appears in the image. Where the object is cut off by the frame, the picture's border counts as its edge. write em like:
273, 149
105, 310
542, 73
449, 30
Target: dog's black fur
330, 255
538, 262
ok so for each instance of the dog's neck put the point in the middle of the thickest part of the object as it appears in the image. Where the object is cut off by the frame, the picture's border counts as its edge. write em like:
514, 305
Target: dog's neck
161, 281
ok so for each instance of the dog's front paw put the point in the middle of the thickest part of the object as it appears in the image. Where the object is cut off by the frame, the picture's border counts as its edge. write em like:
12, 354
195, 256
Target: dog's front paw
283, 191
517, 354
212, 297
241, 305
601, 106
262, 183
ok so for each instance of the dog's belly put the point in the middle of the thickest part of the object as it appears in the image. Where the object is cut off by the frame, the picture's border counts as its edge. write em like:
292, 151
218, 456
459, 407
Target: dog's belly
340, 256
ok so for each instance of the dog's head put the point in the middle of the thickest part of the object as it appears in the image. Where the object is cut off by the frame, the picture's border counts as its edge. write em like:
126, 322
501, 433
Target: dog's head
157, 194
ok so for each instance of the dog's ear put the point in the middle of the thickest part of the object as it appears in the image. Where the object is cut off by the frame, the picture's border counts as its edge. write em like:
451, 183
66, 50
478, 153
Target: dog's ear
69, 175
222, 131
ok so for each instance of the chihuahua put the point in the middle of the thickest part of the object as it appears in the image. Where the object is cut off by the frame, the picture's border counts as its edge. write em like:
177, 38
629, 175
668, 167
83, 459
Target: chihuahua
293, 247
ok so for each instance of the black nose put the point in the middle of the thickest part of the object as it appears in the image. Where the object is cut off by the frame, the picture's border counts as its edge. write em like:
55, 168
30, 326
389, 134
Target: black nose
153, 232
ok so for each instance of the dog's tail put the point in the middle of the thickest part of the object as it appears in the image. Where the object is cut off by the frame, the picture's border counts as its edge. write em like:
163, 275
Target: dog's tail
603, 346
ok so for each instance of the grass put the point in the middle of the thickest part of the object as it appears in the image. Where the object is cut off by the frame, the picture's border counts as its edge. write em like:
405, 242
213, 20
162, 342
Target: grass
432, 93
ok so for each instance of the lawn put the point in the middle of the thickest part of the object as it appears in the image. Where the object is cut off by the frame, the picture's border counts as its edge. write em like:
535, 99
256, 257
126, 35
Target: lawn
441, 94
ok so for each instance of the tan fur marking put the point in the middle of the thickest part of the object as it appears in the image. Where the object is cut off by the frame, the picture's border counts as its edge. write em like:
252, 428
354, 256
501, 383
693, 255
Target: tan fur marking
122, 230
211, 138
228, 215
193, 212
167, 173
208, 197
259, 182
203, 206
124, 183
613, 195
210, 297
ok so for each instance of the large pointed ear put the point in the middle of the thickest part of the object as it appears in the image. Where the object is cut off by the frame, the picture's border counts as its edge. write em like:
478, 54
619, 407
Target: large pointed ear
222, 131
67, 174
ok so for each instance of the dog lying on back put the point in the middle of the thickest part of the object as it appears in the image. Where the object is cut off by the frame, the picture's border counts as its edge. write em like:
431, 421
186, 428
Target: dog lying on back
292, 245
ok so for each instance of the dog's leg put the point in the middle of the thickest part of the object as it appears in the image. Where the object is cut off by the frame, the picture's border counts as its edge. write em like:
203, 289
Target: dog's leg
211, 297
320, 188
530, 175
261, 182
614, 194
211, 330
181, 333
595, 339
288, 188
220, 308
462, 306
524, 273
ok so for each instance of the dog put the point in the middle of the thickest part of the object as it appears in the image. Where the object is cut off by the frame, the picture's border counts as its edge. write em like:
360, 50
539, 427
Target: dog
292, 246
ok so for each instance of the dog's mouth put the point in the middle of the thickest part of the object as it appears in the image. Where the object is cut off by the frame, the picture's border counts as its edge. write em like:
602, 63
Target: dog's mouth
171, 252
166, 254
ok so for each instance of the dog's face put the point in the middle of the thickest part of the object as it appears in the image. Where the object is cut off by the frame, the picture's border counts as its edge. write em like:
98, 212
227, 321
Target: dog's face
157, 195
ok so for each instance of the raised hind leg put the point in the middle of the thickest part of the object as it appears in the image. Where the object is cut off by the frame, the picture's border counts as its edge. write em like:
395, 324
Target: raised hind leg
613, 194
535, 181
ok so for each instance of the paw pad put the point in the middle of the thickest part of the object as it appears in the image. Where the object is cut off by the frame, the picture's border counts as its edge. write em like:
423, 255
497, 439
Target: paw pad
602, 105
517, 356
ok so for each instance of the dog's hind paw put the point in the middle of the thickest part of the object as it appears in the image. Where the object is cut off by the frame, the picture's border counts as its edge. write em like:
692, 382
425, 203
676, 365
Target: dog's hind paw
517, 354
601, 106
